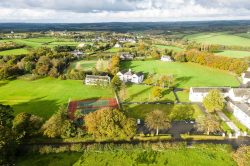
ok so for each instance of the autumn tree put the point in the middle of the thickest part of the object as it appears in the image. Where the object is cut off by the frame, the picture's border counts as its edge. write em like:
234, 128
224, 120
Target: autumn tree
157, 120
157, 92
110, 123
123, 92
214, 101
208, 124
116, 83
242, 155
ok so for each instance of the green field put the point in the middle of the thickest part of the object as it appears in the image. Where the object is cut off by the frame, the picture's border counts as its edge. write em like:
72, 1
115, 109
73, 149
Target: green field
176, 49
113, 50
43, 41
18, 51
83, 65
187, 74
174, 112
218, 156
43, 97
219, 38
61, 159
234, 54
142, 93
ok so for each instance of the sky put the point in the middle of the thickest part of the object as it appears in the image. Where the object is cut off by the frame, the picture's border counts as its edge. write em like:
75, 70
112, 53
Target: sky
88, 11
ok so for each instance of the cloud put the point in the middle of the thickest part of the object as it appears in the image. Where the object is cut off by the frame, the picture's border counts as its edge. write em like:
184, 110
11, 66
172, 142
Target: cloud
121, 10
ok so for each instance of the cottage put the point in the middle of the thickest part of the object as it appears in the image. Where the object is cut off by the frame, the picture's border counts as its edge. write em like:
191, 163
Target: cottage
129, 76
117, 45
97, 80
166, 58
199, 93
126, 56
77, 53
246, 77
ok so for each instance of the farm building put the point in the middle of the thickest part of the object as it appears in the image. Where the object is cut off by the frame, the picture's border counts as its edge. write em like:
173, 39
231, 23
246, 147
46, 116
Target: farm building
129, 76
246, 77
126, 56
77, 53
117, 45
199, 93
97, 80
166, 58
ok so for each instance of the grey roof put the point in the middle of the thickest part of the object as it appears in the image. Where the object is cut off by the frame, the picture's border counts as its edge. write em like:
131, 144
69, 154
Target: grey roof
247, 74
139, 74
97, 77
244, 107
207, 89
128, 72
240, 92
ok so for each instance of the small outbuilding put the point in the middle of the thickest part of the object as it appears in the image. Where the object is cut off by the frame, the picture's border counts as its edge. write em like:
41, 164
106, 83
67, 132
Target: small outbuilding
97, 80
166, 58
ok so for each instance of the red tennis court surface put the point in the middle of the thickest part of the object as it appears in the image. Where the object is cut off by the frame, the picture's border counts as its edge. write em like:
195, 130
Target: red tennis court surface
90, 105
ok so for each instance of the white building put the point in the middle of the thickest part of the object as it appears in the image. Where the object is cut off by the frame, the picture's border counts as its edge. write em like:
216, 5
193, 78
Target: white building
97, 80
246, 77
166, 58
199, 93
77, 53
126, 56
81, 45
117, 45
241, 95
129, 76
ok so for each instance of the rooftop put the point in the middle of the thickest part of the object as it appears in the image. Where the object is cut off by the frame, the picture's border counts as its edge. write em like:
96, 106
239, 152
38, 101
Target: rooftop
207, 89
239, 92
244, 107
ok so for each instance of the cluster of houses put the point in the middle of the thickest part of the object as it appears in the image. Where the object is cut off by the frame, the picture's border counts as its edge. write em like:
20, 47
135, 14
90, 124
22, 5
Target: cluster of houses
238, 100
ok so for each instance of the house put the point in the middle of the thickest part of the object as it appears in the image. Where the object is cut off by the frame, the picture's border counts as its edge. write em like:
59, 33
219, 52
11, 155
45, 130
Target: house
77, 53
81, 45
241, 111
246, 77
197, 94
126, 56
166, 58
129, 76
97, 80
117, 45
240, 95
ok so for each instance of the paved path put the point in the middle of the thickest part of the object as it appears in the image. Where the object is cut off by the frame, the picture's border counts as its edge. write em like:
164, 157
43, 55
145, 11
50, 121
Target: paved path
228, 122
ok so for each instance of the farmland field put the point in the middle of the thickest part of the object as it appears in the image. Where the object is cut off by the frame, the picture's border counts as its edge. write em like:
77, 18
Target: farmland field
187, 74
44, 96
176, 49
234, 54
219, 38
174, 112
14, 52
113, 50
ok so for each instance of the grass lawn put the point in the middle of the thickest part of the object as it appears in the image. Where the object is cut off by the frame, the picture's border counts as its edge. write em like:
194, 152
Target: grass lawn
176, 49
113, 50
18, 51
139, 93
56, 159
234, 54
218, 155
43, 97
219, 38
83, 65
174, 112
187, 74
183, 95
235, 121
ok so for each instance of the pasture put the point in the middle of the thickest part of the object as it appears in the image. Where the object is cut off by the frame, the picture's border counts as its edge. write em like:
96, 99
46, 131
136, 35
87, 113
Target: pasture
44, 96
186, 74
234, 54
18, 51
220, 39
113, 50
174, 48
